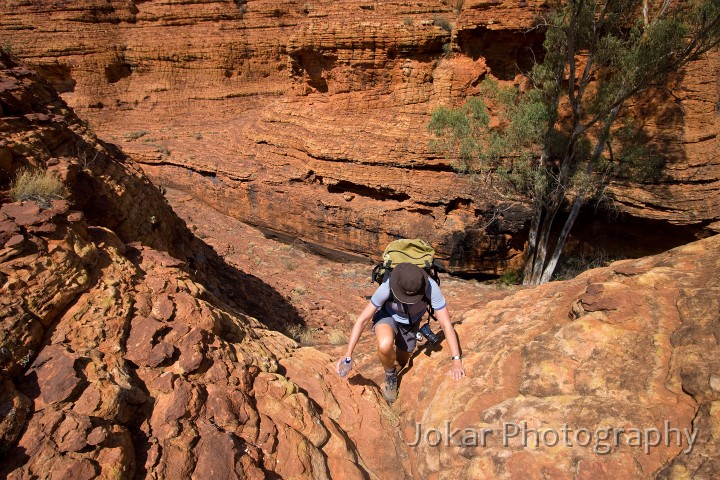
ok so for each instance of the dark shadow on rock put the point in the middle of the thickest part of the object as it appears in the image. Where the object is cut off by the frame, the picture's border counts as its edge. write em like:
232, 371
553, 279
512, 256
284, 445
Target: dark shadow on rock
506, 53
163, 230
141, 414
13, 459
358, 379
244, 291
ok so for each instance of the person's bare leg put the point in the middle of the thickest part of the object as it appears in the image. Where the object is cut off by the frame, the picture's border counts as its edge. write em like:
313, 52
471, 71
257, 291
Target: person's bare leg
386, 353
386, 345
403, 357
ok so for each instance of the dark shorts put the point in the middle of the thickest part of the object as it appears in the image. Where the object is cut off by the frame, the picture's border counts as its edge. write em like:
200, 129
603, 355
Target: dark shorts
404, 334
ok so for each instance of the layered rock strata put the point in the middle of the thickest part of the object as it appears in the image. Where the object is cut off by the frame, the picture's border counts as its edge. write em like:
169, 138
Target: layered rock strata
121, 356
308, 118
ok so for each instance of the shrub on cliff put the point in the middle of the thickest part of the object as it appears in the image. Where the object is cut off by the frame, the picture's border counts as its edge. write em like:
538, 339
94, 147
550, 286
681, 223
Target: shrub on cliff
37, 185
443, 23
556, 141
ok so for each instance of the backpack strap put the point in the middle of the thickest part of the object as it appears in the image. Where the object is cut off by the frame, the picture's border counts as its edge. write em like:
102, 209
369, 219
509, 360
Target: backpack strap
430, 310
381, 273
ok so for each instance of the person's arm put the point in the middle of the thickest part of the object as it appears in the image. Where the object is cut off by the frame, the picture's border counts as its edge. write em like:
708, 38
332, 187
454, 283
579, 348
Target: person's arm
360, 324
457, 371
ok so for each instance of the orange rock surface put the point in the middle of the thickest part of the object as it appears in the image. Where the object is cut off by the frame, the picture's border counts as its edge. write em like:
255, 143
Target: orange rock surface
562, 375
129, 348
308, 118
123, 355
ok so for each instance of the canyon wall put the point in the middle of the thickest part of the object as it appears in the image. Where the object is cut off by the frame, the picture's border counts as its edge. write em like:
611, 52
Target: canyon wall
121, 356
308, 118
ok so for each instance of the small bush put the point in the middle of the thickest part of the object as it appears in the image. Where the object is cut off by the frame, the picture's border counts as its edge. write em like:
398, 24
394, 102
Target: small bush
447, 48
302, 334
443, 23
37, 185
457, 8
138, 134
297, 293
337, 337
288, 263
511, 277
408, 21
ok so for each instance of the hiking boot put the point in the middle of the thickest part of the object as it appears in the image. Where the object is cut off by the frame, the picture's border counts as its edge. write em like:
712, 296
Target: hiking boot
390, 388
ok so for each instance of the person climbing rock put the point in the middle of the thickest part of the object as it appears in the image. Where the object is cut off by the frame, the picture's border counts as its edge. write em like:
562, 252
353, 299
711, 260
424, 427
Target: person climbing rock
396, 310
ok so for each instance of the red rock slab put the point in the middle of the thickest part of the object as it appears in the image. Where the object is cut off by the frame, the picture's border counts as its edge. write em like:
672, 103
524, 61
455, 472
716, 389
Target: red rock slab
57, 377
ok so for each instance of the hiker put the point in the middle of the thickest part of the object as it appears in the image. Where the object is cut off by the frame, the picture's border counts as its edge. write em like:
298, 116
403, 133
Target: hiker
396, 309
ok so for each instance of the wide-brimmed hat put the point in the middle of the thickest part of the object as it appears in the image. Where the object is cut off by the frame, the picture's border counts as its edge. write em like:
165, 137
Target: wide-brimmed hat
407, 282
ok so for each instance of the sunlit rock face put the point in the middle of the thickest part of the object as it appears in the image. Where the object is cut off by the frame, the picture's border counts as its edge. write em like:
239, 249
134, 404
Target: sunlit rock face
308, 118
122, 355
613, 374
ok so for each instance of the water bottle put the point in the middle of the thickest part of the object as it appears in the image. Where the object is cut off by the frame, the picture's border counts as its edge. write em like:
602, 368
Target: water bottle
345, 366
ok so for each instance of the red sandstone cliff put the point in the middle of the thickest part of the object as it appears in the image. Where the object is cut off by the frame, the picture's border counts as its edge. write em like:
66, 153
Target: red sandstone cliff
308, 118
122, 356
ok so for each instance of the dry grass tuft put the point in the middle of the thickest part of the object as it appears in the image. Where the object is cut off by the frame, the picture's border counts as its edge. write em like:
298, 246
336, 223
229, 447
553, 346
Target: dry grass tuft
337, 337
302, 334
37, 185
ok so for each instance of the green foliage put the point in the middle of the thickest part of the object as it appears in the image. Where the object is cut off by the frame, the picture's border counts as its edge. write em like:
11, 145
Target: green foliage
511, 277
458, 130
526, 177
626, 53
466, 134
638, 158
598, 55
138, 134
443, 23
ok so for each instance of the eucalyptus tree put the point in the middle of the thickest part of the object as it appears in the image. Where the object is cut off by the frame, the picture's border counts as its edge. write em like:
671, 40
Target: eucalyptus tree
559, 141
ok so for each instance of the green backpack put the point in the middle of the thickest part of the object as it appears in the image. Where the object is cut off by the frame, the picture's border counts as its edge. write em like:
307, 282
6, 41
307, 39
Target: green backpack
415, 251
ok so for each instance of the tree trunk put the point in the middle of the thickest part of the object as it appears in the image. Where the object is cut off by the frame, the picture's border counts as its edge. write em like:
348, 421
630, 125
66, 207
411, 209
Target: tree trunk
550, 268
544, 238
530, 253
